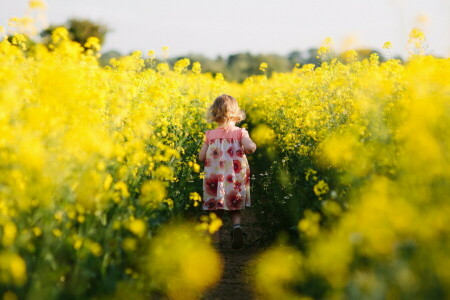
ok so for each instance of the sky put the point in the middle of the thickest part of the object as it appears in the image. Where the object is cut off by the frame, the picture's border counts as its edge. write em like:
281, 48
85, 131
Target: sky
213, 28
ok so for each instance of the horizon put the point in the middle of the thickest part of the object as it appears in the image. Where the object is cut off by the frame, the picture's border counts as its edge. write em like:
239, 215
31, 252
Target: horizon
202, 27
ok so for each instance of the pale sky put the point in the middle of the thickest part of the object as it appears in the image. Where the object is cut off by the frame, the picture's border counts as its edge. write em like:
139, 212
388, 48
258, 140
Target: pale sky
214, 28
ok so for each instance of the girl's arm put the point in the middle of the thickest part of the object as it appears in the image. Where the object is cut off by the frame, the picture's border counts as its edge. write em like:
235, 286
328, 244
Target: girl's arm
202, 154
247, 143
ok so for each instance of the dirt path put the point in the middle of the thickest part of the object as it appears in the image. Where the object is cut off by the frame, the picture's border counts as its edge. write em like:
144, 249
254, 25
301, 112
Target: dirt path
235, 283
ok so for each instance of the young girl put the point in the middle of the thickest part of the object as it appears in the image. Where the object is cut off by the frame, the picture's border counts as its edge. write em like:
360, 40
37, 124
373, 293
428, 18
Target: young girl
226, 183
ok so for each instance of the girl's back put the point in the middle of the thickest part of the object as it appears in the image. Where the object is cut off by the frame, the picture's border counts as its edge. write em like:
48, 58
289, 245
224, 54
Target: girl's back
227, 173
226, 182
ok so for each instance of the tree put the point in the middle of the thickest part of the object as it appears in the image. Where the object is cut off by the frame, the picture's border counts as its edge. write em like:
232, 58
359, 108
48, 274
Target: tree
106, 57
80, 30
295, 57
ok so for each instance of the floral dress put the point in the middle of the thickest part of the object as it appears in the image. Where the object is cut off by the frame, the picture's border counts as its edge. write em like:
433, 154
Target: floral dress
226, 183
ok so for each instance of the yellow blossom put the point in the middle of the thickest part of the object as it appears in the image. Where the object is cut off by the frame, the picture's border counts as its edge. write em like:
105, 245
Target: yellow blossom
137, 227
153, 191
321, 188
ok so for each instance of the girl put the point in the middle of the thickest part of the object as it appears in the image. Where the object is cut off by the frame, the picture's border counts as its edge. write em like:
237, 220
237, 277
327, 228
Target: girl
226, 183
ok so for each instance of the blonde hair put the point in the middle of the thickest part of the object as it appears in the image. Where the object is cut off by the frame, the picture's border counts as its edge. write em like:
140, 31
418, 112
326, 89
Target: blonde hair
225, 109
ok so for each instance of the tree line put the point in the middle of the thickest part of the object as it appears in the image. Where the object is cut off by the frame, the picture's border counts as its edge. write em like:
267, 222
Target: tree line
235, 67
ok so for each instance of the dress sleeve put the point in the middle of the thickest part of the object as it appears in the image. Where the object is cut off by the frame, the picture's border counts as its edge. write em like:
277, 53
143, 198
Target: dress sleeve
243, 133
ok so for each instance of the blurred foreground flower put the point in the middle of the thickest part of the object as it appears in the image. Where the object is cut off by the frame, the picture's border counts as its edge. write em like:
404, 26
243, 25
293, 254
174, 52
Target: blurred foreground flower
276, 271
181, 263
263, 135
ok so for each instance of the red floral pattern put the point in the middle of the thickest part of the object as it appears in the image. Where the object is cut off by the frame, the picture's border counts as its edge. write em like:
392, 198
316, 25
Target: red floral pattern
230, 178
230, 151
211, 183
216, 153
226, 182
237, 166
234, 200
211, 204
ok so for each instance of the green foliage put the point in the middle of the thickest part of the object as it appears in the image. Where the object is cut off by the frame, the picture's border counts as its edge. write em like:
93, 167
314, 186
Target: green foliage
80, 30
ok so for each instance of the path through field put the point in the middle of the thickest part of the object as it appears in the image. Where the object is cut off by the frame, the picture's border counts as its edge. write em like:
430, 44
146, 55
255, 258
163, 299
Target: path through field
235, 283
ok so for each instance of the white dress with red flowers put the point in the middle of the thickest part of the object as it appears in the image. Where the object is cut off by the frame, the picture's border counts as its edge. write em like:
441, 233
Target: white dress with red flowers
226, 183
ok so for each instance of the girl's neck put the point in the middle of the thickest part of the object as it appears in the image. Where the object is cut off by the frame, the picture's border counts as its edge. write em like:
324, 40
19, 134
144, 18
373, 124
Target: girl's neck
226, 125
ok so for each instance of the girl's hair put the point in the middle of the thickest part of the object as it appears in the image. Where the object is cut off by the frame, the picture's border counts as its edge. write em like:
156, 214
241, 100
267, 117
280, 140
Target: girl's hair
224, 109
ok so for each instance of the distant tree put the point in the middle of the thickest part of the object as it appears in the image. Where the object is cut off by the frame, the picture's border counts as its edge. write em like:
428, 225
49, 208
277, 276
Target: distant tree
213, 66
80, 30
276, 63
363, 54
295, 57
106, 57
240, 66
311, 57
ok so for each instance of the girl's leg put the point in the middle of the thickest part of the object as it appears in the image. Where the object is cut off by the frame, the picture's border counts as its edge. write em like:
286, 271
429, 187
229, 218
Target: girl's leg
237, 240
235, 217
217, 236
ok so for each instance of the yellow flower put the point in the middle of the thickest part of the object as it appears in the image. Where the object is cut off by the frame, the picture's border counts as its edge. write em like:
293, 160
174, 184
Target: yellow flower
310, 223
151, 54
215, 223
95, 248
153, 192
321, 188
123, 188
9, 233
263, 135
18, 269
78, 243
129, 244
275, 271
309, 172
162, 68
59, 34
58, 215
57, 232
387, 45
163, 172
194, 196
138, 227
196, 68
182, 263
210, 223
181, 65
36, 4
196, 168
416, 34
108, 182
263, 66
93, 43
37, 231
165, 51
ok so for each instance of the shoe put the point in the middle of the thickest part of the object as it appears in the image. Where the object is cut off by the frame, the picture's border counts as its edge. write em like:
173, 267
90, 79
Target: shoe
237, 235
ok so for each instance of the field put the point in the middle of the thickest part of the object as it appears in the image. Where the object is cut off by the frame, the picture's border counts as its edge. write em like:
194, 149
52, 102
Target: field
100, 184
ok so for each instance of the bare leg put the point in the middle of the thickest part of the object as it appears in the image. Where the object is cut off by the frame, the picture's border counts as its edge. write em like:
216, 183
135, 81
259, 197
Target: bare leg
217, 236
235, 217
237, 240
